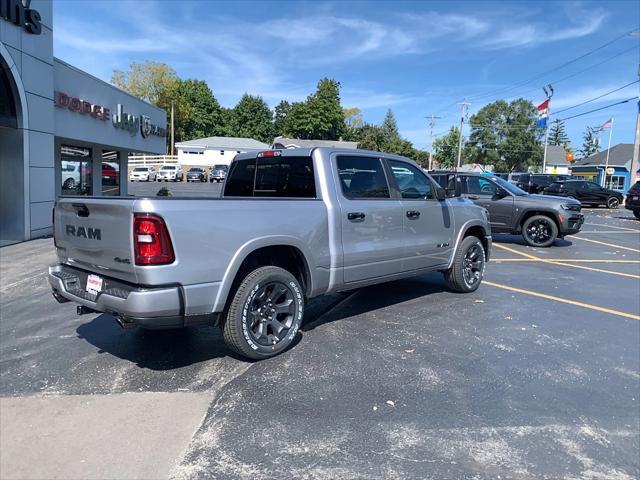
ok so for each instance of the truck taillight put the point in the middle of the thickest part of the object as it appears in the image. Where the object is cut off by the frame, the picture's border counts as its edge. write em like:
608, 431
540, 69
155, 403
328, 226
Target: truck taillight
151, 240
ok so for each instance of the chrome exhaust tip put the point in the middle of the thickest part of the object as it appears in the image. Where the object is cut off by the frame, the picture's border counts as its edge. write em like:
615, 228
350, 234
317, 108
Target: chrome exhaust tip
124, 324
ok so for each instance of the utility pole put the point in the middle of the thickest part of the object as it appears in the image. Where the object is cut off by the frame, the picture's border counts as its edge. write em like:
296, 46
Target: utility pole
635, 163
548, 91
432, 124
172, 129
463, 110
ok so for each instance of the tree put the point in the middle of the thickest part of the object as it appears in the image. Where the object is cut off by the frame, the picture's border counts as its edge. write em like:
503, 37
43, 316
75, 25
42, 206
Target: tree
320, 117
504, 134
371, 137
353, 124
205, 118
252, 119
390, 128
590, 142
280, 118
154, 82
558, 135
446, 148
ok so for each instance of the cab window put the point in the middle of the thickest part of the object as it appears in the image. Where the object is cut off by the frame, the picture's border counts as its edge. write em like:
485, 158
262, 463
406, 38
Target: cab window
362, 177
412, 183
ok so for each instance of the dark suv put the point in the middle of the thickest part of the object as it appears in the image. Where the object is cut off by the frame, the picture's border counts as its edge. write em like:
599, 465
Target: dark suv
540, 219
537, 182
633, 199
588, 193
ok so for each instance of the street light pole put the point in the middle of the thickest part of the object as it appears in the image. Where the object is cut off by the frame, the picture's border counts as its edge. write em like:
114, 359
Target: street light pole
432, 124
463, 108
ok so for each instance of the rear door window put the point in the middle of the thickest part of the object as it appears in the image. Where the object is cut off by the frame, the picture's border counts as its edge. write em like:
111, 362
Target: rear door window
362, 177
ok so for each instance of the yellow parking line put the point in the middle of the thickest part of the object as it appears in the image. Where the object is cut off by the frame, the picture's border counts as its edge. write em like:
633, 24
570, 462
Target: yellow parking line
611, 226
563, 300
567, 260
581, 267
607, 244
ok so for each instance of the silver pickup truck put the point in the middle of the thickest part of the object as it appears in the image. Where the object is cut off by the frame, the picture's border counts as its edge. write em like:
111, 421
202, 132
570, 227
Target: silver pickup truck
290, 225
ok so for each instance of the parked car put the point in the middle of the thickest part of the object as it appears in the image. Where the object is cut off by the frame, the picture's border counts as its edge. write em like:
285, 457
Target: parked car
196, 174
632, 201
143, 173
140, 259
218, 173
109, 174
539, 219
70, 175
588, 193
537, 182
171, 173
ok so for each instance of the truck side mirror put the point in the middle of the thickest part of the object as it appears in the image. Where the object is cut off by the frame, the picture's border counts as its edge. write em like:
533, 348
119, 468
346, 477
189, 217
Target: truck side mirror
441, 193
453, 188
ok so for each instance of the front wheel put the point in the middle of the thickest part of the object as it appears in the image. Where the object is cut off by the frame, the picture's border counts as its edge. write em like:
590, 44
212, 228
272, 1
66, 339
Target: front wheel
613, 203
465, 275
636, 213
539, 231
265, 313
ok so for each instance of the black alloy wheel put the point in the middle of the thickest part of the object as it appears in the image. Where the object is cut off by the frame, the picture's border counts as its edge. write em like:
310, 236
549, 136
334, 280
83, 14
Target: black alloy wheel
265, 313
539, 231
473, 265
613, 203
272, 312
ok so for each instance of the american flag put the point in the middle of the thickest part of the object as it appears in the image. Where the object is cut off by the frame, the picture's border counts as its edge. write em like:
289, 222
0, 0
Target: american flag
607, 124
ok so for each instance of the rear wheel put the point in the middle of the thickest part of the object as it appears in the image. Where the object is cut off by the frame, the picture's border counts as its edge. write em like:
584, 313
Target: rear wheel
265, 313
465, 275
613, 203
539, 231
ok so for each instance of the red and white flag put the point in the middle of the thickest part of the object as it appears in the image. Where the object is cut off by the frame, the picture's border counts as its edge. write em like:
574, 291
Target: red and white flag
607, 124
543, 114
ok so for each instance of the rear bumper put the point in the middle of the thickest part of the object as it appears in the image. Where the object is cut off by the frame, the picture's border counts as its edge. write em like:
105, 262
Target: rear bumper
155, 308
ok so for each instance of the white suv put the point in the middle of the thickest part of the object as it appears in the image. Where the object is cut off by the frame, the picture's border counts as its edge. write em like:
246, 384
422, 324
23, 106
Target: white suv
171, 173
143, 174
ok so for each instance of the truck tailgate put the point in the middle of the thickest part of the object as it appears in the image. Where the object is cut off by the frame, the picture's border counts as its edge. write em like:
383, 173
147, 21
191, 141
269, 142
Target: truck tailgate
96, 235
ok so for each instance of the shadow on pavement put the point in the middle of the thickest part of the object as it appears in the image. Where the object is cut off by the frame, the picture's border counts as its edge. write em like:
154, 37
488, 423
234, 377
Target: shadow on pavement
154, 349
372, 298
518, 240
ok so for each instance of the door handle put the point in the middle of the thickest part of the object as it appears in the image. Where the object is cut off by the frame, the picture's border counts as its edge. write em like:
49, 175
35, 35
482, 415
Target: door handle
355, 215
413, 214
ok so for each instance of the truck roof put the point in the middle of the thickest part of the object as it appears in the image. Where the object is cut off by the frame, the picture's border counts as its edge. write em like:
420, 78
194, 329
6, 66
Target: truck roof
306, 152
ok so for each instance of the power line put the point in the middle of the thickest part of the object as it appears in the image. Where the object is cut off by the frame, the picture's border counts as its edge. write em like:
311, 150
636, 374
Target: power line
596, 98
598, 109
540, 75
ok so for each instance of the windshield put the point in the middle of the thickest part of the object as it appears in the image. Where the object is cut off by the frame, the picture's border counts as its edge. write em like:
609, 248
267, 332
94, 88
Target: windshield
195, 170
141, 169
509, 187
220, 167
167, 167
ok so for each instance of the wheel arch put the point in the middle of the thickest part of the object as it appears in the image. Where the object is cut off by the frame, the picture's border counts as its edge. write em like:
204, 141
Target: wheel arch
524, 215
472, 228
280, 251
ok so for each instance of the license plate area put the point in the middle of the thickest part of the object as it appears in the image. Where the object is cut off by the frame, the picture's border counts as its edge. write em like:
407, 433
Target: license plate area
94, 284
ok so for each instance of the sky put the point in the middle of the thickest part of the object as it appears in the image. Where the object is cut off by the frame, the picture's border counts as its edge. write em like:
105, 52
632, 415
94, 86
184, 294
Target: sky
416, 58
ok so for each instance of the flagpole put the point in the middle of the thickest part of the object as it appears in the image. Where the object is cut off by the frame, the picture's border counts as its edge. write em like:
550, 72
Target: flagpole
606, 163
546, 142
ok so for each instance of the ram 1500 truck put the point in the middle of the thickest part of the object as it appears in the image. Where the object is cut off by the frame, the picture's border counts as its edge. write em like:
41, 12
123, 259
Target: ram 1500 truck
290, 225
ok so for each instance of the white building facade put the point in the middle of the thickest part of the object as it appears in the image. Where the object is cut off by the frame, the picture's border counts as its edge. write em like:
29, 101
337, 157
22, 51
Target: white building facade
210, 151
62, 131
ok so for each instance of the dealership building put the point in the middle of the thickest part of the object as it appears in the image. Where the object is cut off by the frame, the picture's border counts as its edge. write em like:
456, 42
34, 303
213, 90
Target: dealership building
62, 131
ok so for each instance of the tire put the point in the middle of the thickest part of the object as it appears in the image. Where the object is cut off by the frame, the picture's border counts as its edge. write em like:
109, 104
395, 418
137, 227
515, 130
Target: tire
464, 276
69, 184
636, 213
254, 336
613, 203
539, 231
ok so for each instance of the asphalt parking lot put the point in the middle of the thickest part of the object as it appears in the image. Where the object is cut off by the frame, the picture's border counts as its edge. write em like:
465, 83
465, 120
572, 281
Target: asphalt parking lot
535, 375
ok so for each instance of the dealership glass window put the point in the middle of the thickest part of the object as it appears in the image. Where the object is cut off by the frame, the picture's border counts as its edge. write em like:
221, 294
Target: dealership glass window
110, 172
75, 169
615, 182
